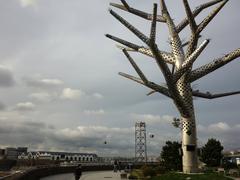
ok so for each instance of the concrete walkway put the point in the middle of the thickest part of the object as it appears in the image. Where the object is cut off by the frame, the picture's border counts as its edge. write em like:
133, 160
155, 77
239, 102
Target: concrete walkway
95, 175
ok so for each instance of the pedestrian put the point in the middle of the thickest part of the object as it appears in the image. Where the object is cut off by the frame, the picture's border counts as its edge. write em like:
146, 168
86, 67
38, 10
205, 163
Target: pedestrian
119, 166
78, 172
129, 167
115, 166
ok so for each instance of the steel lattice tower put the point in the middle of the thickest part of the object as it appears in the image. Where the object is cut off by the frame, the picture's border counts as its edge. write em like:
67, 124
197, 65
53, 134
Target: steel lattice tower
140, 142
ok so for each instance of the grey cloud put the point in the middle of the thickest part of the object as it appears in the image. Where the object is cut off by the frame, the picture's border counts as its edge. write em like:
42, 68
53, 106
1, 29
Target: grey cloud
222, 131
2, 106
83, 138
43, 82
41, 96
35, 124
95, 112
14, 133
37, 133
25, 106
153, 119
6, 77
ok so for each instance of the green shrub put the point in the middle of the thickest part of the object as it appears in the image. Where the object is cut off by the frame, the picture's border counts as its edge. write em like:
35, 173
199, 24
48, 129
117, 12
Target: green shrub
132, 177
148, 171
229, 165
209, 170
160, 170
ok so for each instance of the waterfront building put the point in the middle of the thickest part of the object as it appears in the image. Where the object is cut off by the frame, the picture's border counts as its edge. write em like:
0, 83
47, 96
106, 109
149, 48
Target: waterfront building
11, 153
232, 156
2, 154
59, 156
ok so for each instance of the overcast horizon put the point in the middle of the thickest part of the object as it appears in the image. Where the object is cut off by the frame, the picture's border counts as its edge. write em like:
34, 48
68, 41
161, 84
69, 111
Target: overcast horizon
59, 83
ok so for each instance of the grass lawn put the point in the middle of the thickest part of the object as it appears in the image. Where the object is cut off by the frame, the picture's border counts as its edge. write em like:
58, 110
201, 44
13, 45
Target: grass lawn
4, 173
137, 173
176, 176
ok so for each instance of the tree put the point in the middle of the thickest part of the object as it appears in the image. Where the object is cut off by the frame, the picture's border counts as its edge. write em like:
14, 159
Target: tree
171, 156
181, 58
176, 122
212, 153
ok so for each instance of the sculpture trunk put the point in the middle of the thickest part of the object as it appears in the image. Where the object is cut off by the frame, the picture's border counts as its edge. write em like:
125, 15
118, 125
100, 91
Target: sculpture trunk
189, 140
189, 146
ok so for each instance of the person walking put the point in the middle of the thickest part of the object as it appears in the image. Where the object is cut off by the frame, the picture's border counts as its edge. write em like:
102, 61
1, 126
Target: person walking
115, 166
78, 172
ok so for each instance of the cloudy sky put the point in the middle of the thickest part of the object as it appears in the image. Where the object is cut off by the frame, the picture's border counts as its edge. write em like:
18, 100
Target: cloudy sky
59, 83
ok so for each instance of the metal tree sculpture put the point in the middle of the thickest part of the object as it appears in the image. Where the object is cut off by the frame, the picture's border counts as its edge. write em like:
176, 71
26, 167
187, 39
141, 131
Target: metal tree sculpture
179, 79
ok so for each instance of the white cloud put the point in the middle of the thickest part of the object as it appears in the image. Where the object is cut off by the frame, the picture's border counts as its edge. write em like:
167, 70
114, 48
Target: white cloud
200, 127
69, 93
93, 132
41, 96
81, 138
152, 119
98, 95
95, 112
37, 82
216, 128
52, 81
26, 3
222, 131
25, 106
221, 126
103, 130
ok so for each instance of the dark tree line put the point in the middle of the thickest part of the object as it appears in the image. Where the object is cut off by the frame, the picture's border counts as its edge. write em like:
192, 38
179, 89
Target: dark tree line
210, 153
172, 159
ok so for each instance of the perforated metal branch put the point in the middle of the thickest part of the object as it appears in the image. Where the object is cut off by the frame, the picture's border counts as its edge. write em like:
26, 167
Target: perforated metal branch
177, 58
153, 26
124, 42
137, 12
192, 45
134, 30
169, 80
187, 43
148, 84
135, 66
194, 37
190, 16
168, 57
125, 4
210, 17
187, 64
214, 65
213, 96
133, 78
151, 92
176, 43
195, 13
126, 48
